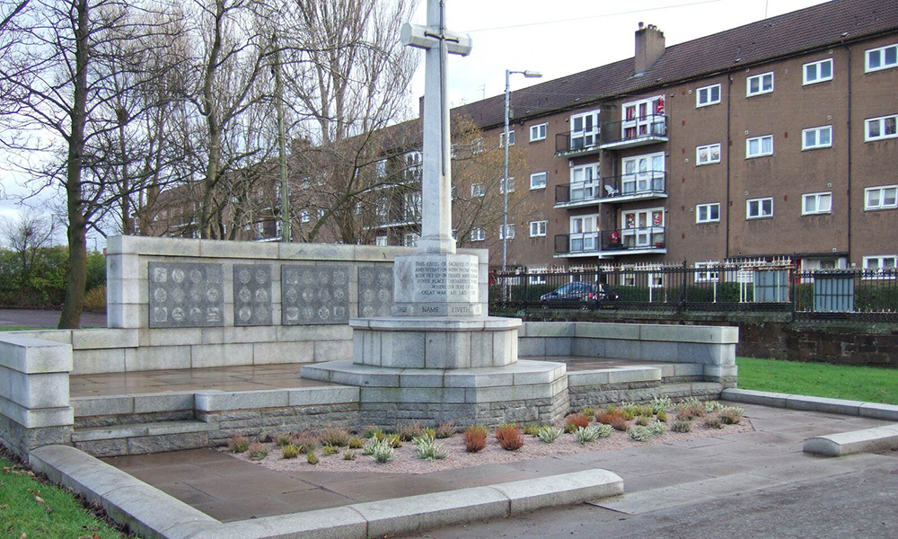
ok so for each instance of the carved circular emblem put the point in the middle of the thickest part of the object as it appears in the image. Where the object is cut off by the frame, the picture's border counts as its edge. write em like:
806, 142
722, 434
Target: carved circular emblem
368, 311
324, 313
261, 314
339, 294
307, 277
383, 295
384, 278
308, 294
323, 278
292, 295
160, 295
195, 314
308, 313
366, 277
245, 314
245, 295
262, 296
339, 277
324, 294
195, 294
261, 276
177, 275
213, 295
177, 295
244, 276
177, 314
368, 295
196, 275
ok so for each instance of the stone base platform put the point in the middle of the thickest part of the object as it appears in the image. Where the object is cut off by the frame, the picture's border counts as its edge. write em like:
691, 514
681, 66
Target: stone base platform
435, 343
522, 392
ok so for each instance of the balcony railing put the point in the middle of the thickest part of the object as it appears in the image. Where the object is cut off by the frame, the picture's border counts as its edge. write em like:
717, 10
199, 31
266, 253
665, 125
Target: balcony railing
638, 186
576, 194
622, 241
650, 129
574, 143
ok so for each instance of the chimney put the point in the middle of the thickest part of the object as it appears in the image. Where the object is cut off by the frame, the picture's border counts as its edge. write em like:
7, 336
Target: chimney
649, 47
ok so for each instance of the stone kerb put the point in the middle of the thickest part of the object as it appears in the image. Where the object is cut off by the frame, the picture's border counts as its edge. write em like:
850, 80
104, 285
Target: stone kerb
34, 393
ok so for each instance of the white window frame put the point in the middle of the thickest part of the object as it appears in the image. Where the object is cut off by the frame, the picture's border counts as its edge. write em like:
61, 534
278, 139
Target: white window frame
478, 233
304, 216
709, 151
588, 130
538, 132
510, 185
706, 276
761, 89
510, 229
380, 168
880, 53
821, 202
642, 174
538, 229
884, 125
584, 182
761, 152
646, 118
759, 208
881, 191
645, 232
704, 96
584, 232
381, 241
477, 190
411, 239
412, 208
817, 133
511, 138
883, 262
816, 68
539, 180
706, 209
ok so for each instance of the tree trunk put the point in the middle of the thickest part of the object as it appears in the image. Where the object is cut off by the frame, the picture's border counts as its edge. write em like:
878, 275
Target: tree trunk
74, 294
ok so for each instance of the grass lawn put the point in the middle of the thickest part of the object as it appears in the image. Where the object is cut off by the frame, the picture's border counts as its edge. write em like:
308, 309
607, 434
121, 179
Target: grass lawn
29, 508
870, 384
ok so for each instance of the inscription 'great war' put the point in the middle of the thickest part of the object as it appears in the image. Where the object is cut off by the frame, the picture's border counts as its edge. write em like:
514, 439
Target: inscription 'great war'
446, 279
186, 295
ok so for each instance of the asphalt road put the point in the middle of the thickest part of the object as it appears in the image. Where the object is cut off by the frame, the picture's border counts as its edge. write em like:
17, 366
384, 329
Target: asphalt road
858, 504
36, 318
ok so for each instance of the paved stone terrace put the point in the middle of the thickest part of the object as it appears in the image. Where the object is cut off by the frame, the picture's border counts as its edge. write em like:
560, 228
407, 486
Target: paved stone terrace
655, 476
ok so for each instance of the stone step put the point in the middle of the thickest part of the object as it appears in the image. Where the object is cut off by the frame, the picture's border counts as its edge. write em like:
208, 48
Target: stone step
141, 438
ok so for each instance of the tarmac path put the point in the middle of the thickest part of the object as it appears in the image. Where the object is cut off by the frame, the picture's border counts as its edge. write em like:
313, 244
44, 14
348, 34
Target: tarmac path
39, 318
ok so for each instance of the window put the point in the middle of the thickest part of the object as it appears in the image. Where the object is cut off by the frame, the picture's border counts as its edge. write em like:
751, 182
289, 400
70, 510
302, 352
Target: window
759, 84
538, 132
304, 216
584, 182
759, 208
411, 239
537, 278
882, 58
477, 190
510, 139
817, 137
706, 155
584, 130
709, 95
707, 272
644, 118
584, 233
880, 128
538, 180
881, 198
875, 266
707, 213
380, 241
412, 209
538, 228
510, 185
643, 228
642, 174
818, 71
759, 146
506, 232
814, 203
380, 168
478, 234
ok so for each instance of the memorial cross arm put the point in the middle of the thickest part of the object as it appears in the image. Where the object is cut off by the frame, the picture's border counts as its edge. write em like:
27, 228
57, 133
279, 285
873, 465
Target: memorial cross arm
424, 37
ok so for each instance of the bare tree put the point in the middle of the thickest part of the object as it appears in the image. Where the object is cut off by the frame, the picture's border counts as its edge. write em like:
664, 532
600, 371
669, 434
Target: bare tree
25, 235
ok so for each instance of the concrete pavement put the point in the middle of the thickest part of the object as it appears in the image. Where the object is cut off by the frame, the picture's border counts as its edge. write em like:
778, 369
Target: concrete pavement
39, 318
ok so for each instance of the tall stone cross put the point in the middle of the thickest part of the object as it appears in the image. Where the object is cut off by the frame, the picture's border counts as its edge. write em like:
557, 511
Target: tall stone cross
436, 185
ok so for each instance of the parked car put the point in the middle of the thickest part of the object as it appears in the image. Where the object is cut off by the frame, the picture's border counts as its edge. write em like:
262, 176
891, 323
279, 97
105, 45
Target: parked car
581, 291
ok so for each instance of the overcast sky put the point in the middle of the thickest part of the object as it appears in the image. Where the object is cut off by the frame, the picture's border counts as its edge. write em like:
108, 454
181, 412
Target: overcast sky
561, 37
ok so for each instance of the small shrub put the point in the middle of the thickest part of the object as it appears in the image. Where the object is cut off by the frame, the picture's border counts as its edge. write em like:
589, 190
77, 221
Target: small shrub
372, 432
349, 455
660, 404
713, 423
394, 440
628, 409
549, 434
691, 411
429, 449
329, 450
640, 434
682, 426
620, 424
444, 430
257, 451
658, 428
95, 299
475, 438
282, 438
290, 451
356, 443
589, 413
578, 420
429, 431
336, 436
609, 417
712, 406
731, 415
662, 416
312, 458
532, 429
604, 431
238, 444
306, 441
570, 428
587, 435
383, 452
643, 421
368, 448
409, 432
510, 437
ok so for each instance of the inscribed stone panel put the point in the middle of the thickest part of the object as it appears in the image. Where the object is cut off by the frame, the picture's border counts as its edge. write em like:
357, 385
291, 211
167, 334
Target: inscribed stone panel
186, 295
252, 294
314, 295
375, 291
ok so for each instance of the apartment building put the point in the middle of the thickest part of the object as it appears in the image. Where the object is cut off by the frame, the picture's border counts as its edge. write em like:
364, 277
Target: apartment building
775, 139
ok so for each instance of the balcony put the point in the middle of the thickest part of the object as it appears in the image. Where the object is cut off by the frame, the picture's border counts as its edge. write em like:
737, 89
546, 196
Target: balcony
642, 131
577, 194
633, 187
577, 143
612, 243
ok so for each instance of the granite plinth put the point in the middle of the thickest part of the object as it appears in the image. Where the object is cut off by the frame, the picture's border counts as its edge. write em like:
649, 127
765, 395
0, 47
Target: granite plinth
436, 284
435, 342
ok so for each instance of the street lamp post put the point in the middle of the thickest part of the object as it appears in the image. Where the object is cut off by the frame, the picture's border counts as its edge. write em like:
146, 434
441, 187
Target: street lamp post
530, 75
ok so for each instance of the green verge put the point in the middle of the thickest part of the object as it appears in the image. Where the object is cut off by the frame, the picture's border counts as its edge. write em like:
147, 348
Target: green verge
30, 508
869, 384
